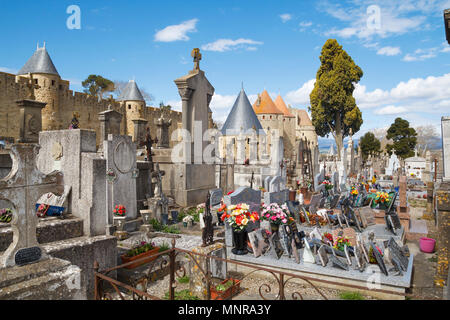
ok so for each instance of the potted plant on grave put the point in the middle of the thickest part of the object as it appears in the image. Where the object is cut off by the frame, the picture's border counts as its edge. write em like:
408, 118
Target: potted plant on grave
5, 215
225, 290
120, 214
276, 215
382, 199
238, 217
188, 221
140, 251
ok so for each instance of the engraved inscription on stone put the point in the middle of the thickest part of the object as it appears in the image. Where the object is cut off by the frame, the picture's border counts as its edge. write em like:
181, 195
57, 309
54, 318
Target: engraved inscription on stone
28, 255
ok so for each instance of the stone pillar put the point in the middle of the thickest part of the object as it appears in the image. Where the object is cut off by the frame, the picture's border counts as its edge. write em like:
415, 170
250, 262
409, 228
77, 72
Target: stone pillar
30, 120
443, 240
403, 209
445, 125
139, 131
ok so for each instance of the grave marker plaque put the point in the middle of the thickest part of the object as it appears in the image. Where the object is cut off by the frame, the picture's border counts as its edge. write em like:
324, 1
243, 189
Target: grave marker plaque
276, 247
379, 259
337, 263
397, 254
323, 256
27, 256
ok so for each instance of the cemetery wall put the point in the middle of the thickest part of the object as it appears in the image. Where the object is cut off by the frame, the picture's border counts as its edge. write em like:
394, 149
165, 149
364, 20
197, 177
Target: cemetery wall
63, 102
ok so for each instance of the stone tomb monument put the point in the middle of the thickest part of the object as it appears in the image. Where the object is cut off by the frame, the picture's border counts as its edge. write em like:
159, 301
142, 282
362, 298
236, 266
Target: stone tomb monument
120, 155
193, 176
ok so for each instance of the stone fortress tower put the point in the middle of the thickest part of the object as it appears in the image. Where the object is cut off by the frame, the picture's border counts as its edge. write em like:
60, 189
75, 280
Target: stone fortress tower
133, 102
242, 124
47, 83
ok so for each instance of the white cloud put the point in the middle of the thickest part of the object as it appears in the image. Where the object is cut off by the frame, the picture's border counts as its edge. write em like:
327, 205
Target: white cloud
176, 32
305, 24
222, 45
395, 17
421, 55
301, 96
389, 51
285, 17
390, 110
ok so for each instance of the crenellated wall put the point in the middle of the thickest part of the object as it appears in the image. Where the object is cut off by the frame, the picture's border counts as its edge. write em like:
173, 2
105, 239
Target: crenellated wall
62, 103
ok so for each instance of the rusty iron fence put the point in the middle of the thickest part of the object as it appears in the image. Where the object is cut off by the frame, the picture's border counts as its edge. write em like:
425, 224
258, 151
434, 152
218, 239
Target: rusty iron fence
139, 289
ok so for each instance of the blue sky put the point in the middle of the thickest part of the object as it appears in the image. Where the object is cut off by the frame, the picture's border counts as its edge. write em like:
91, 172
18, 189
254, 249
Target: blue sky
265, 44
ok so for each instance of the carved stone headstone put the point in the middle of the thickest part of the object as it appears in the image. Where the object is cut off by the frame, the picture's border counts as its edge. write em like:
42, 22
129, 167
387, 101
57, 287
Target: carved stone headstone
22, 187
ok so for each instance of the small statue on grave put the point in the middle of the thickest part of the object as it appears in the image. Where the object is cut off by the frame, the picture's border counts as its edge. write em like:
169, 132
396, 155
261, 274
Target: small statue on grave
75, 123
207, 231
197, 57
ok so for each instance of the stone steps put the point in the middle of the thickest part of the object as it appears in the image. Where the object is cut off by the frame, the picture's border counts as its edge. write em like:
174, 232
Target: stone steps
50, 279
82, 252
48, 230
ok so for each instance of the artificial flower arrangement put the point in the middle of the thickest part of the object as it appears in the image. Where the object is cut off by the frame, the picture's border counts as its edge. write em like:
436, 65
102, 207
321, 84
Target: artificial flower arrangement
276, 214
5, 215
382, 197
328, 185
239, 216
341, 242
230, 193
329, 236
354, 191
222, 209
120, 211
188, 219
262, 189
42, 210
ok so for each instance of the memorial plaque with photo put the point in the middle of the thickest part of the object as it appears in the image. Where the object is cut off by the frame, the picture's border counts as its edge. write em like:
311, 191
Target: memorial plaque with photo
265, 236
285, 241
292, 231
275, 246
259, 246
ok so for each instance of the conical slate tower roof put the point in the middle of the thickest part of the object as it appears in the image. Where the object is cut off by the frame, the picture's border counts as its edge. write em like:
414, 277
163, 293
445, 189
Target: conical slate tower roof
242, 117
131, 93
265, 105
279, 103
40, 62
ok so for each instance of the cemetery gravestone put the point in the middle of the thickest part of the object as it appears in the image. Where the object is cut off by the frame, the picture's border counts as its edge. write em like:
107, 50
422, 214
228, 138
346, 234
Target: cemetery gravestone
22, 187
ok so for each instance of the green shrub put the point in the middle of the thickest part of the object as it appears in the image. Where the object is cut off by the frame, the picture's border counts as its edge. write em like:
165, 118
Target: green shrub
349, 295
182, 295
164, 247
184, 279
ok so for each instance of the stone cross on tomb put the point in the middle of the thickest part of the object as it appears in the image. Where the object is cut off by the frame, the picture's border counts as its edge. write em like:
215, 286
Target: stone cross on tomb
197, 57
22, 188
31, 85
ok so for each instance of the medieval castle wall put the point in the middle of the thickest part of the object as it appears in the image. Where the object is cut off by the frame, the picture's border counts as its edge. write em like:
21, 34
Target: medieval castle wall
62, 103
